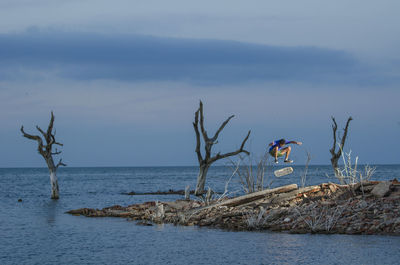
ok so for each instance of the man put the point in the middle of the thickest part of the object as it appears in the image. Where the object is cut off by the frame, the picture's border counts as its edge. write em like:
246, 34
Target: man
278, 149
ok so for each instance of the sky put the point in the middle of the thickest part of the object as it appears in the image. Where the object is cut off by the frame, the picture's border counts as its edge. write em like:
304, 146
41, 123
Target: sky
125, 78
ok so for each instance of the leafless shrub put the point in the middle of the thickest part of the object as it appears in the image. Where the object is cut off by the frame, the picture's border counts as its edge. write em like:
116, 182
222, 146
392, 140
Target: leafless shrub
332, 216
367, 174
226, 192
254, 220
350, 174
208, 198
312, 217
252, 177
303, 176
320, 218
187, 193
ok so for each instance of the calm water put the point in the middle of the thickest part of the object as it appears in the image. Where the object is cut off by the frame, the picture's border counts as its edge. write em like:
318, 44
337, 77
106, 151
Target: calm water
37, 230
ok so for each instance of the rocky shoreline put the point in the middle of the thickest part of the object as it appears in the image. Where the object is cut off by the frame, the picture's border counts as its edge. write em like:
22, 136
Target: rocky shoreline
364, 208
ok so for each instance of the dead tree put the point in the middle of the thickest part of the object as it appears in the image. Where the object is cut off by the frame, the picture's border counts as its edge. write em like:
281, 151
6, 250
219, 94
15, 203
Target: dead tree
47, 153
206, 161
336, 154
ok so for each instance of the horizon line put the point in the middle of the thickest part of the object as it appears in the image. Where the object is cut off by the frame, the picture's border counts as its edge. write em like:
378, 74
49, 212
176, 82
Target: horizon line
44, 167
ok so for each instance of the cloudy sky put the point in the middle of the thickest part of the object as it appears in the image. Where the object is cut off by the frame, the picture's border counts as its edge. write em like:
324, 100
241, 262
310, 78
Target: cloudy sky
125, 78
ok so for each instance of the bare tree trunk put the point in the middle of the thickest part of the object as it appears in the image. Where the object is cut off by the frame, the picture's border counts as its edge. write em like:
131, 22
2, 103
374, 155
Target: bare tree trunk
47, 153
336, 154
201, 178
54, 185
336, 169
206, 161
53, 178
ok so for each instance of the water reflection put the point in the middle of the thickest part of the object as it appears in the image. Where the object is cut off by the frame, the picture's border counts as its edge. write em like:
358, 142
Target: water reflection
285, 247
50, 211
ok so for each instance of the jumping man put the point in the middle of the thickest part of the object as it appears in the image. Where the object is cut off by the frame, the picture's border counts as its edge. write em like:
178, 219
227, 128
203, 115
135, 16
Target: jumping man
277, 149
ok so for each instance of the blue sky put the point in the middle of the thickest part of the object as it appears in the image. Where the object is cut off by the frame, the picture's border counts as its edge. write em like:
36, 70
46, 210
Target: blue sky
124, 79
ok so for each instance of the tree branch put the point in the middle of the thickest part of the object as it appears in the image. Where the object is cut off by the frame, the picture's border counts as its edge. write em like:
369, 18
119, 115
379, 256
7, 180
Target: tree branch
44, 150
41, 131
336, 155
203, 131
29, 136
50, 128
345, 131
240, 150
221, 128
60, 163
244, 142
36, 138
196, 130
207, 142
56, 152
334, 128
53, 141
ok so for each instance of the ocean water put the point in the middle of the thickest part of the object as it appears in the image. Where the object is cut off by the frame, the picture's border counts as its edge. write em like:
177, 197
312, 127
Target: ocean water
37, 230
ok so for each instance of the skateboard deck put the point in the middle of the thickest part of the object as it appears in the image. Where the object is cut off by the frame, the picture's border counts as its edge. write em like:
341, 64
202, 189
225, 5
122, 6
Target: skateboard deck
283, 172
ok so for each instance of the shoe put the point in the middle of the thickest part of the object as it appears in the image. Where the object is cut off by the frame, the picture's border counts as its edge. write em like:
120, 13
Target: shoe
288, 161
276, 161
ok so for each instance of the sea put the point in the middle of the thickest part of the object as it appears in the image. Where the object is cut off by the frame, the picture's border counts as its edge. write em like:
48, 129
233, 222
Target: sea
36, 230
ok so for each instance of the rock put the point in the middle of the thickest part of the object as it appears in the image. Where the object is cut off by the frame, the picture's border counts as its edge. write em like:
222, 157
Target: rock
363, 204
327, 203
366, 188
287, 220
144, 223
382, 189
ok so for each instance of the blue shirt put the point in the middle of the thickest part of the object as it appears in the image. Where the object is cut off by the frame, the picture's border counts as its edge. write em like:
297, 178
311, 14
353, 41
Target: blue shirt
276, 143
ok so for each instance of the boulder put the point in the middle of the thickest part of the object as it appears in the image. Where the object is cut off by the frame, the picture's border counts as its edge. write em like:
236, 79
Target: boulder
381, 189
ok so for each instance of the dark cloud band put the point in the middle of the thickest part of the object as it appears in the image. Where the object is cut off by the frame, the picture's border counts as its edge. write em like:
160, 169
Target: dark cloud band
135, 57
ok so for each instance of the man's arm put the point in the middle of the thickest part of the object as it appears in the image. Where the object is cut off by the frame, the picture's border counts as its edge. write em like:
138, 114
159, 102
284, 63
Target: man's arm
295, 142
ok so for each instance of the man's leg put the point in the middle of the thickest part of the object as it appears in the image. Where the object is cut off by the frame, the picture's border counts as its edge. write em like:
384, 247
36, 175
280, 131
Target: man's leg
275, 153
286, 151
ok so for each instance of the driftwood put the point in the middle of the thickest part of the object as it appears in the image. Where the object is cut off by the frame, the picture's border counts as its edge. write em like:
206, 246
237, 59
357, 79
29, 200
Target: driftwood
206, 161
169, 192
282, 196
254, 196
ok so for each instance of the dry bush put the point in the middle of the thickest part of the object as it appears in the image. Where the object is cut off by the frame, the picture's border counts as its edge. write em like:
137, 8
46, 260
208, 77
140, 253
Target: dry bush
350, 174
253, 178
320, 218
303, 177
256, 220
